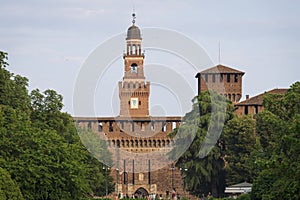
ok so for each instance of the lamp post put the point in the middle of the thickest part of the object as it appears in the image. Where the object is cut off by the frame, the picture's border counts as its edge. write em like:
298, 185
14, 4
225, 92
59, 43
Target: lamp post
172, 168
106, 168
126, 182
117, 171
183, 179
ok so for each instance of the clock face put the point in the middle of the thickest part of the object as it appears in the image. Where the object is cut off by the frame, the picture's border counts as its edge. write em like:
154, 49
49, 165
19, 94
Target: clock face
134, 103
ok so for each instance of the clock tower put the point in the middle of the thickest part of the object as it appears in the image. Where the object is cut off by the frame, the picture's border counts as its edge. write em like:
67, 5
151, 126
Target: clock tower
134, 91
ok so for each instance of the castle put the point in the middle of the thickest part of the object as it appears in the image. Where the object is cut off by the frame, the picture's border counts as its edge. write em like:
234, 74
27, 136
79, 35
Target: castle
228, 82
139, 143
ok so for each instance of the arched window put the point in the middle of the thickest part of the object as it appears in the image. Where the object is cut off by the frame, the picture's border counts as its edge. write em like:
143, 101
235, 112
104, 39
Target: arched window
137, 49
164, 127
128, 50
168, 142
134, 68
131, 143
154, 143
159, 143
133, 49
141, 143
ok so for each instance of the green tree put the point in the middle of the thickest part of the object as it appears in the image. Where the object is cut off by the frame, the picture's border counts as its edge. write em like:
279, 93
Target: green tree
13, 89
39, 144
97, 151
204, 157
8, 188
240, 142
4, 79
279, 127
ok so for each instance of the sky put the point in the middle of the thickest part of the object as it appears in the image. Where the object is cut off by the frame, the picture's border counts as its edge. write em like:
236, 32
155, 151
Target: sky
50, 41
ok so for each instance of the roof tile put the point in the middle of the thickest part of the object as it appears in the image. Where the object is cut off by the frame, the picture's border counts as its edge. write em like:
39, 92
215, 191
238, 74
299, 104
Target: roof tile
258, 99
221, 69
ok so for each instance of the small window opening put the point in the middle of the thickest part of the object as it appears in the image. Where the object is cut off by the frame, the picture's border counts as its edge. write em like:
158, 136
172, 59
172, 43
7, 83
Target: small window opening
142, 126
236, 78
221, 77
152, 126
206, 77
100, 126
173, 125
228, 78
164, 127
111, 129
246, 110
134, 68
256, 109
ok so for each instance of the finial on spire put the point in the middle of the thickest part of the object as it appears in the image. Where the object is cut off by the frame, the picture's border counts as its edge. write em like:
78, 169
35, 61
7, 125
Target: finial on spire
133, 18
219, 52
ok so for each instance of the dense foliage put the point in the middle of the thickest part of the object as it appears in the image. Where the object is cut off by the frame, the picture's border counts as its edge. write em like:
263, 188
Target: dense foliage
8, 188
41, 154
205, 173
241, 145
263, 149
279, 160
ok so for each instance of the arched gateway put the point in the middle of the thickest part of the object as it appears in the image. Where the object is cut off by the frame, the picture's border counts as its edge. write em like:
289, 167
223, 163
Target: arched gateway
141, 192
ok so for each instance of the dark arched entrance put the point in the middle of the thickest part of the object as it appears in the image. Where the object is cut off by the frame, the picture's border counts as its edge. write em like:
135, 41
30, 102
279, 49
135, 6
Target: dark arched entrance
141, 193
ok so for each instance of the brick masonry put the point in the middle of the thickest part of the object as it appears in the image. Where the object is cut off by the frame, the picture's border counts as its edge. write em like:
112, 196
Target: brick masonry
139, 143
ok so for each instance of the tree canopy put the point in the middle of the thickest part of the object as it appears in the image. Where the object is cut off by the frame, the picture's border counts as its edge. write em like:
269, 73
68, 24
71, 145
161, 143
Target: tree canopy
263, 149
8, 188
41, 154
279, 160
203, 158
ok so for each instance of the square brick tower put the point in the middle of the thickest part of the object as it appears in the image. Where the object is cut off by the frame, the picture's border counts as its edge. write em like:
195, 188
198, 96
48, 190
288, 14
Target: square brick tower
134, 91
223, 80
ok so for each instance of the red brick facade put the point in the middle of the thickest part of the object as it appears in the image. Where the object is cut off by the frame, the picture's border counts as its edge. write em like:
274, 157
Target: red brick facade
139, 143
224, 80
228, 82
254, 105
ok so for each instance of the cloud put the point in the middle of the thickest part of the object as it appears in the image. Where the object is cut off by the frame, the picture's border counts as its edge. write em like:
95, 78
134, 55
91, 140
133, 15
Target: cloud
55, 35
80, 13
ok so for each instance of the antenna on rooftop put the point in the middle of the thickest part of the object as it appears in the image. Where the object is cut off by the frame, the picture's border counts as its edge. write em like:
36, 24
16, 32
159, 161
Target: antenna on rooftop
219, 52
133, 15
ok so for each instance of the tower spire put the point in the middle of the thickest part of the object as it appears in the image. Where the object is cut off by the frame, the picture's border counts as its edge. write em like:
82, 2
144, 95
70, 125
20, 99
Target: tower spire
134, 91
133, 17
219, 52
